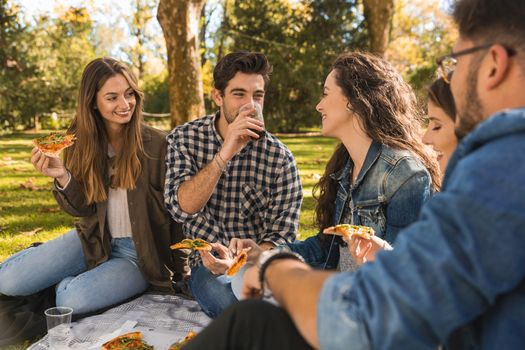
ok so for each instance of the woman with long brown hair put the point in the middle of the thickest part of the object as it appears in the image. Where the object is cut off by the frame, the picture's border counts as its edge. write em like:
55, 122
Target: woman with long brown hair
379, 176
112, 178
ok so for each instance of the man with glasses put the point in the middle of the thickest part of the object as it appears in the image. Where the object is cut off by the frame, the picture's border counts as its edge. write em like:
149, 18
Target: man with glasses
457, 276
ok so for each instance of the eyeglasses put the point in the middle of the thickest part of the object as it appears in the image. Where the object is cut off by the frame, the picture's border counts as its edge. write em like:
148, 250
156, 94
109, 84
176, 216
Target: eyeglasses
447, 64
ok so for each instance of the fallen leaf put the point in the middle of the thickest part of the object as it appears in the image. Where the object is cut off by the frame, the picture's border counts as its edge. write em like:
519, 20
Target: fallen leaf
30, 185
7, 161
32, 233
49, 210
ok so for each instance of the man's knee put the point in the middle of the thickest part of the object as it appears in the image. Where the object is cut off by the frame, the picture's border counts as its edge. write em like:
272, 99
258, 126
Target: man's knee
253, 308
251, 316
212, 295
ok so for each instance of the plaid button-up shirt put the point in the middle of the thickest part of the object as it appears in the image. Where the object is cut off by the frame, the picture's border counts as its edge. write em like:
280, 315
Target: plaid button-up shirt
258, 196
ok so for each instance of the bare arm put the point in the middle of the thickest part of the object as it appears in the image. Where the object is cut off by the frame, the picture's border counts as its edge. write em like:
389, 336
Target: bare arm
194, 193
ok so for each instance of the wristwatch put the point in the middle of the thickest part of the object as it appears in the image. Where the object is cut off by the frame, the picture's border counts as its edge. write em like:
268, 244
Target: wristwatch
267, 257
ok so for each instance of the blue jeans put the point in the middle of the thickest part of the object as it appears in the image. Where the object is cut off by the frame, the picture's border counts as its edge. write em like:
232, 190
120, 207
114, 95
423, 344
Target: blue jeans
213, 293
61, 261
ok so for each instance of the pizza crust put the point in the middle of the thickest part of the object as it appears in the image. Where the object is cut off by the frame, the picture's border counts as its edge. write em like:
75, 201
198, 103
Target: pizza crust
187, 338
346, 230
51, 145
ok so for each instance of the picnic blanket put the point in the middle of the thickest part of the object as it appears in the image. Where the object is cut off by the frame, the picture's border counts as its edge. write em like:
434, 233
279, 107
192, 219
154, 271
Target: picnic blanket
162, 314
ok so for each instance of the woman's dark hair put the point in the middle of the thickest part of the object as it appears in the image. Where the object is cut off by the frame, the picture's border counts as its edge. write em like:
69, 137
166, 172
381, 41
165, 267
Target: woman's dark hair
440, 95
387, 110
241, 61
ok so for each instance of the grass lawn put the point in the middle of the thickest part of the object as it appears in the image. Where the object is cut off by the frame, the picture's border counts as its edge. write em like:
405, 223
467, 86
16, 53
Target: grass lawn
17, 347
29, 212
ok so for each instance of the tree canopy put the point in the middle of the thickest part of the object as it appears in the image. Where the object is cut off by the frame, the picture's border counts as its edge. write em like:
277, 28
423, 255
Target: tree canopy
41, 59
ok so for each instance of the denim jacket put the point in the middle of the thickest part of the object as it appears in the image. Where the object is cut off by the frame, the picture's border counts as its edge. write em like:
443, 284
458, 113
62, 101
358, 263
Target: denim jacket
387, 196
456, 276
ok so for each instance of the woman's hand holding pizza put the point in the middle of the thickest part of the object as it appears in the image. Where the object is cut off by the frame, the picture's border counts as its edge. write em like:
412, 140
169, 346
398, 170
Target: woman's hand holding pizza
365, 250
49, 166
217, 266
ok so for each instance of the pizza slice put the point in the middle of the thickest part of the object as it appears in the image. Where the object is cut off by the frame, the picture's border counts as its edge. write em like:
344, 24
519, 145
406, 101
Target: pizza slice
239, 262
194, 244
128, 341
187, 338
184, 244
51, 145
200, 244
347, 230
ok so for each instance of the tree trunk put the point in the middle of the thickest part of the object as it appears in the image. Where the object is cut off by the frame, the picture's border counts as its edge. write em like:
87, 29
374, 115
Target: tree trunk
202, 36
179, 20
378, 16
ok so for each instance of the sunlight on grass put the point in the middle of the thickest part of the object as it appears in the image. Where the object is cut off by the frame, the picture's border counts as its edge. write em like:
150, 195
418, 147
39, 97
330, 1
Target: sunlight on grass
28, 216
311, 154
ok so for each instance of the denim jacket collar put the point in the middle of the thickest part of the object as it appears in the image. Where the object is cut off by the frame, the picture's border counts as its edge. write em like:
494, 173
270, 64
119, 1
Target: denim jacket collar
371, 156
342, 177
501, 124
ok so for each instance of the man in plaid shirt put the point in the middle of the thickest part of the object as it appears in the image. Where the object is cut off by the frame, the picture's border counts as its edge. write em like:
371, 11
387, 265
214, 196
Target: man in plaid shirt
225, 181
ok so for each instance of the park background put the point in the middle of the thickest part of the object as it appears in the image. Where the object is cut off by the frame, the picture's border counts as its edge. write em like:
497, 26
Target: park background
173, 46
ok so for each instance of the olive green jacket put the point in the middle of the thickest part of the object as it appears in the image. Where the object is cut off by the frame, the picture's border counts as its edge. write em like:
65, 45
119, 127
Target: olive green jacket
153, 230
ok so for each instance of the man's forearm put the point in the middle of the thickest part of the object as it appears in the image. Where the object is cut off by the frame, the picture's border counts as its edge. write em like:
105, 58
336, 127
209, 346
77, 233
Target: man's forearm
194, 193
297, 288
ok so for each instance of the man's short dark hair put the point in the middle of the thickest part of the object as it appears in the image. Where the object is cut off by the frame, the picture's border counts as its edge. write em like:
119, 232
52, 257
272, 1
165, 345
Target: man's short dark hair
241, 61
492, 21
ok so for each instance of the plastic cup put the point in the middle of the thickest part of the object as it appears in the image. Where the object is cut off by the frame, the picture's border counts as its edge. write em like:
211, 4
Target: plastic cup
257, 115
58, 327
